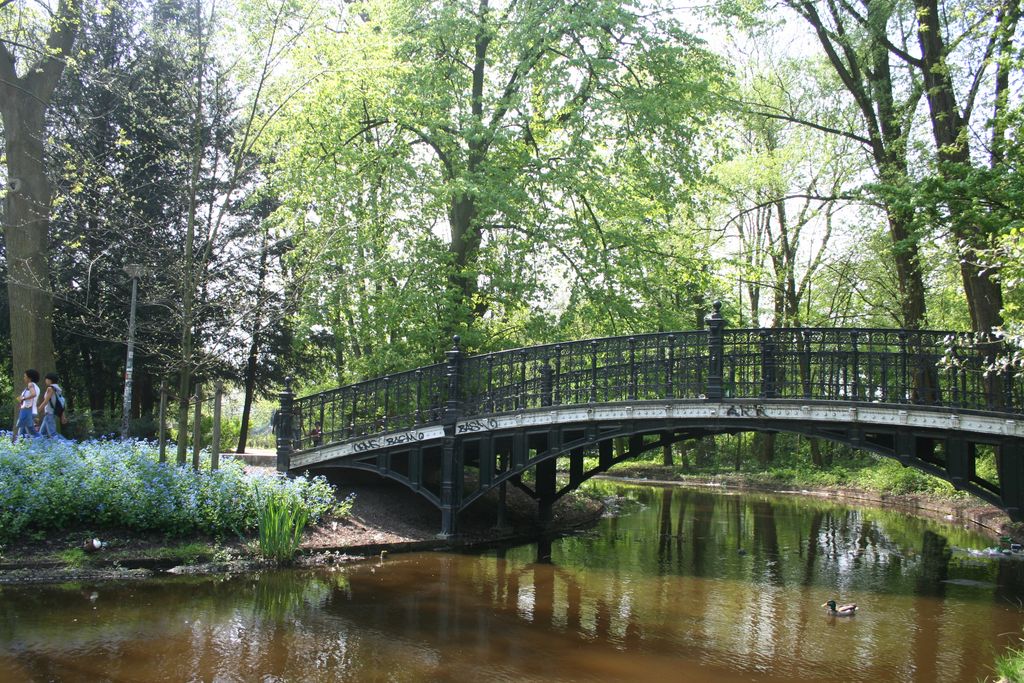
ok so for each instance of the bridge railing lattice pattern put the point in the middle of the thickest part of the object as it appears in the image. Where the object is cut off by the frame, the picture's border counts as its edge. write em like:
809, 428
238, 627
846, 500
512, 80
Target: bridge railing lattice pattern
400, 401
820, 364
868, 365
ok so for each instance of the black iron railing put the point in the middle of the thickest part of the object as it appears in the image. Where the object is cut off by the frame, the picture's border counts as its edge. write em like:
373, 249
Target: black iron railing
396, 402
867, 365
821, 364
639, 368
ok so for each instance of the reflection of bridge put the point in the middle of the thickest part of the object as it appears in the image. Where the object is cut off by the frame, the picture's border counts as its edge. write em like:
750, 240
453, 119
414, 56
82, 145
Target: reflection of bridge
456, 430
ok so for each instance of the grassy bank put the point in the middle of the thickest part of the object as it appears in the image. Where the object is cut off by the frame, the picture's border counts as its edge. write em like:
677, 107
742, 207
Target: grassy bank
789, 461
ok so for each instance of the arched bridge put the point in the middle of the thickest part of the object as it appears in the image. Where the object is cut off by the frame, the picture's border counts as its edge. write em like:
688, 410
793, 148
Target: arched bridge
456, 430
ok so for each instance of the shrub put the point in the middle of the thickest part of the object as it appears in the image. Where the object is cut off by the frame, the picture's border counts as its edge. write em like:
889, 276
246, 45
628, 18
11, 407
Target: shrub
49, 484
892, 477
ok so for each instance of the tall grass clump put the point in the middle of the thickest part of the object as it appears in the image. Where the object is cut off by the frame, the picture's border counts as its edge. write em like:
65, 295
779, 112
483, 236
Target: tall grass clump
1009, 666
281, 525
49, 485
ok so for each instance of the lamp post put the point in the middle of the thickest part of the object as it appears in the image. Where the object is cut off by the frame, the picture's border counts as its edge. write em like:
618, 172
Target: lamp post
134, 272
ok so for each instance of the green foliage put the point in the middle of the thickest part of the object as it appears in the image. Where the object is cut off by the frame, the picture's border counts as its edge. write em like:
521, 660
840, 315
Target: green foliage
281, 526
229, 431
890, 477
1008, 257
1009, 666
186, 553
791, 464
48, 485
73, 557
562, 191
344, 507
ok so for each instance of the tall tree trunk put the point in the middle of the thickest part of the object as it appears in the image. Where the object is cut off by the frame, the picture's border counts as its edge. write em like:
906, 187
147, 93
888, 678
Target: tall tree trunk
250, 366
891, 161
905, 254
26, 234
465, 248
869, 81
463, 213
250, 390
188, 267
816, 458
23, 104
951, 134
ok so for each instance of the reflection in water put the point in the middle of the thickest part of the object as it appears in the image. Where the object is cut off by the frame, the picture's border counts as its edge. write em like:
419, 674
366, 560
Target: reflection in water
693, 586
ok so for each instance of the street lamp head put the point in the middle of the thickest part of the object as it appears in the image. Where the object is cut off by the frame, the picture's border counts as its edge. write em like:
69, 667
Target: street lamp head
134, 270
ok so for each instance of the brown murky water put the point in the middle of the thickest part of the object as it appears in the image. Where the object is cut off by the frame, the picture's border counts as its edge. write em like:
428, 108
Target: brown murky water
688, 586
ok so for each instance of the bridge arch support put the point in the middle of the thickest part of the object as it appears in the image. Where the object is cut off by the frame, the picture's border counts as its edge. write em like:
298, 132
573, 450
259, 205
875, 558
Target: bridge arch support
548, 453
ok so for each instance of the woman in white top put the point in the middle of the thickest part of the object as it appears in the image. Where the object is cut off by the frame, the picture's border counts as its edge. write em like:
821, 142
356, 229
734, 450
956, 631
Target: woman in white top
27, 406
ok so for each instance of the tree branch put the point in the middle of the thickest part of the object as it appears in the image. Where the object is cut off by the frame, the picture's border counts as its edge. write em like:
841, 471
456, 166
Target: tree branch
433, 144
522, 69
790, 118
43, 78
771, 202
881, 37
8, 76
848, 74
1006, 25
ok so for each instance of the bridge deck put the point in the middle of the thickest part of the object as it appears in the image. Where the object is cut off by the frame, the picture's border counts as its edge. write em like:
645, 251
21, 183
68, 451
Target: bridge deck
769, 413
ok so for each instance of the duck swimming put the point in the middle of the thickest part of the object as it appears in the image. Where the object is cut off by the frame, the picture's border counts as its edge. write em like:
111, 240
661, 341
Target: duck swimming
841, 610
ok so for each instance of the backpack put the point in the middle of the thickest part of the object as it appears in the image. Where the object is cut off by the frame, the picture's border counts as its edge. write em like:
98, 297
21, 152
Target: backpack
57, 401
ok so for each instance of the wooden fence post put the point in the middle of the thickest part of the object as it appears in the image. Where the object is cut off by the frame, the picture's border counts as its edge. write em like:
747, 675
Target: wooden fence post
162, 429
218, 395
197, 428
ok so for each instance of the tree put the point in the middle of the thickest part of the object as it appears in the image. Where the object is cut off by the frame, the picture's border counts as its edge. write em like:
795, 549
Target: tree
786, 186
950, 113
30, 69
870, 45
124, 149
885, 101
223, 159
477, 169
117, 172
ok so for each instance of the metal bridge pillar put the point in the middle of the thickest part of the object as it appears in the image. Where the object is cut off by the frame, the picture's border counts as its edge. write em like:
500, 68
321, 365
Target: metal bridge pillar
501, 523
451, 450
959, 462
546, 486
451, 486
1010, 462
604, 453
716, 353
576, 467
283, 427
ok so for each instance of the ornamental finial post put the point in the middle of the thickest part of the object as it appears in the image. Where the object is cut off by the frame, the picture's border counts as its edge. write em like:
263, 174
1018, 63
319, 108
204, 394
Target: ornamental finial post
453, 371
284, 427
716, 350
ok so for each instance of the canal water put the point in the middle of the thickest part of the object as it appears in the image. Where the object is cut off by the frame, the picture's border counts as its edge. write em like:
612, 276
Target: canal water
682, 585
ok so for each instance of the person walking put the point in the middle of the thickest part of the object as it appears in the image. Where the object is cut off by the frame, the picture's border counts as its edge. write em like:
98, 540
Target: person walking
53, 393
27, 409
